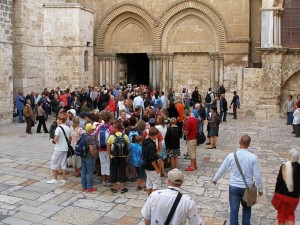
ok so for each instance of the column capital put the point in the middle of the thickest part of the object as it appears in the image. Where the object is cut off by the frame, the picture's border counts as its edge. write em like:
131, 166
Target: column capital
214, 55
107, 57
160, 56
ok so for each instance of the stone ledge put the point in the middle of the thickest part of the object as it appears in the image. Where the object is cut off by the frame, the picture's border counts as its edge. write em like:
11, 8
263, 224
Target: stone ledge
278, 50
67, 5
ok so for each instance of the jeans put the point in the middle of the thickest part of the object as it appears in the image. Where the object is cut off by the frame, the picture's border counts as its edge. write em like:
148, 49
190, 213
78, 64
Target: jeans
208, 109
223, 115
234, 111
87, 172
20, 112
235, 199
289, 117
200, 125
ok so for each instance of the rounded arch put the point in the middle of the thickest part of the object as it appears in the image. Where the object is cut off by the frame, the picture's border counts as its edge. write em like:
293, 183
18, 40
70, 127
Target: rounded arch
133, 9
128, 33
201, 6
287, 75
189, 31
290, 87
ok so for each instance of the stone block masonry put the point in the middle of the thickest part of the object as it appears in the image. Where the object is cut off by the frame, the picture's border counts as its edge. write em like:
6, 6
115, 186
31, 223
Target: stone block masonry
6, 54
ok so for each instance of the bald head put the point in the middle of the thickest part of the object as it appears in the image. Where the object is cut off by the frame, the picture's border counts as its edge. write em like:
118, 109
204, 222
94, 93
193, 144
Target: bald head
245, 141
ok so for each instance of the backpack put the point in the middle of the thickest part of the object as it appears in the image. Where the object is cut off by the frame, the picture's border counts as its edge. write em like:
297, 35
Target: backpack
119, 147
200, 138
132, 135
103, 136
80, 148
52, 130
237, 101
208, 98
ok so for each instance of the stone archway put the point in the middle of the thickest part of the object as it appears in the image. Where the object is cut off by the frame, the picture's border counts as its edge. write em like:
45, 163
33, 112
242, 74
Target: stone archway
290, 87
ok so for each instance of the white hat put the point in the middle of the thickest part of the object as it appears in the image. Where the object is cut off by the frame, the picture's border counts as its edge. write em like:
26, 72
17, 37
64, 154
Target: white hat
72, 111
176, 176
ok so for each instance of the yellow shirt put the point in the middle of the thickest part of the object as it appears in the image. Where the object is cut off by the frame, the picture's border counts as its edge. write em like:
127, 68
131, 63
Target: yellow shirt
112, 138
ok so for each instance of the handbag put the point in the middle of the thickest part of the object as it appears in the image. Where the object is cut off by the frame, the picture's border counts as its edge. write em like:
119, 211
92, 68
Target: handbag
70, 148
276, 200
174, 206
250, 195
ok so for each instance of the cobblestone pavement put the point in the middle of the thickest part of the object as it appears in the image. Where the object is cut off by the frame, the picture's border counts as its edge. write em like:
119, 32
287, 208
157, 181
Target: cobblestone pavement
26, 198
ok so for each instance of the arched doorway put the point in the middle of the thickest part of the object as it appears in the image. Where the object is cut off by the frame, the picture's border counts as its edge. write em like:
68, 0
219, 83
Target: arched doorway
291, 87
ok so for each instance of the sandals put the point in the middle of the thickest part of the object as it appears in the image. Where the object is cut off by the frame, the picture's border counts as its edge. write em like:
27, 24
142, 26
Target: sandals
124, 190
113, 190
139, 188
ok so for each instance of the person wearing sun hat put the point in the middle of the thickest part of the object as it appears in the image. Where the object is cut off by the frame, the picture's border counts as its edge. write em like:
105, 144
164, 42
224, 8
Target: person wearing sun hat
88, 162
160, 202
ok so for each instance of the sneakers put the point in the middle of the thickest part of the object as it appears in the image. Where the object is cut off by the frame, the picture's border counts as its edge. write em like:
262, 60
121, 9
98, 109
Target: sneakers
53, 181
91, 190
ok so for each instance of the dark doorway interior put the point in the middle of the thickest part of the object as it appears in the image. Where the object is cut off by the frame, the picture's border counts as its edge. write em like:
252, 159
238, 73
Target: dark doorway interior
137, 69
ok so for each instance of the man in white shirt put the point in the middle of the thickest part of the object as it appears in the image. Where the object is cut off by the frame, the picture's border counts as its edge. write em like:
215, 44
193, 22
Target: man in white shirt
163, 100
59, 156
250, 168
160, 202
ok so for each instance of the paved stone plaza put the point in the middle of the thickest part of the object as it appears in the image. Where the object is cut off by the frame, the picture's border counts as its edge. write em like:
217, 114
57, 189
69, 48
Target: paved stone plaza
26, 198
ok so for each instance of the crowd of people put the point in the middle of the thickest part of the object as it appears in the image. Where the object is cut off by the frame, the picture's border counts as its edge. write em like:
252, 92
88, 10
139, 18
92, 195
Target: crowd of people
133, 133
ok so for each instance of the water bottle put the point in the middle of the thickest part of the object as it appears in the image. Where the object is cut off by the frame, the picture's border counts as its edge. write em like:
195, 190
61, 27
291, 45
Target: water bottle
112, 147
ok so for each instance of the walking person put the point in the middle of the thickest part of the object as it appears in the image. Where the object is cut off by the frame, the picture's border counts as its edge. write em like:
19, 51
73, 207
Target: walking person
250, 168
236, 104
287, 189
158, 207
41, 118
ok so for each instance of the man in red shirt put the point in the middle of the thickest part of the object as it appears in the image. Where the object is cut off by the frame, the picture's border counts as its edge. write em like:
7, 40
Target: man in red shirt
191, 131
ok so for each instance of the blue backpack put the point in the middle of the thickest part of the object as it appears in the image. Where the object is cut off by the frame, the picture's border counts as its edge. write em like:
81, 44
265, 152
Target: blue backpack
80, 148
103, 135
237, 102
132, 135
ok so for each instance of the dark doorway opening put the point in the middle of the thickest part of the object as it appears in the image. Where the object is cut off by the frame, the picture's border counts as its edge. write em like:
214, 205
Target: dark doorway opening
137, 68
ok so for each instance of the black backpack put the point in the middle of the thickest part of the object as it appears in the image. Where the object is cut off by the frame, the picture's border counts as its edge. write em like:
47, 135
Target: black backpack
120, 147
208, 98
52, 130
200, 138
218, 119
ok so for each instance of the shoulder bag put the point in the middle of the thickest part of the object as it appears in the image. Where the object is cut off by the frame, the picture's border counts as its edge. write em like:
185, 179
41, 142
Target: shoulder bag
173, 209
70, 148
250, 195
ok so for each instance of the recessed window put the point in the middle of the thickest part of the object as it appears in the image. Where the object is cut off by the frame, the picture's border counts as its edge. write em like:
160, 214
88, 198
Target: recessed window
86, 61
290, 24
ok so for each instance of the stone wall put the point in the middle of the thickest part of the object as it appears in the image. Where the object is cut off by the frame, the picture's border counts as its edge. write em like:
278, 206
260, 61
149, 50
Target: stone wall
191, 70
6, 54
51, 37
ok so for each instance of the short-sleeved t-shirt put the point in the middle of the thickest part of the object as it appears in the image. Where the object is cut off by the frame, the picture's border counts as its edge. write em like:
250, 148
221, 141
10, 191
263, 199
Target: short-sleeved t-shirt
180, 109
112, 137
191, 126
90, 140
62, 145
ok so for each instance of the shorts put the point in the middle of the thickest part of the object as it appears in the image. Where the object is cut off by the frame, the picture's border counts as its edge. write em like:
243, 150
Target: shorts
172, 153
104, 163
59, 160
191, 148
140, 173
153, 180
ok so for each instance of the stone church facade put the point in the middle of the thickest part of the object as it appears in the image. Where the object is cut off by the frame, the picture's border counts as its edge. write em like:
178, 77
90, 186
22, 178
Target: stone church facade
172, 43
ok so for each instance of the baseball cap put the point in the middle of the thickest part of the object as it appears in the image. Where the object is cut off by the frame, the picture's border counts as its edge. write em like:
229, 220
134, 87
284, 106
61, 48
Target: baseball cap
90, 126
83, 114
72, 111
176, 176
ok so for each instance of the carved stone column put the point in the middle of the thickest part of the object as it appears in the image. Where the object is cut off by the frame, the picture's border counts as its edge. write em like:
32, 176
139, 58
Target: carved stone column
101, 62
170, 71
113, 74
221, 69
151, 70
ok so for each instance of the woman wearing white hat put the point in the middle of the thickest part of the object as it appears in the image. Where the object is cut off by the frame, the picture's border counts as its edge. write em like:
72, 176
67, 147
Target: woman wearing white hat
287, 190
